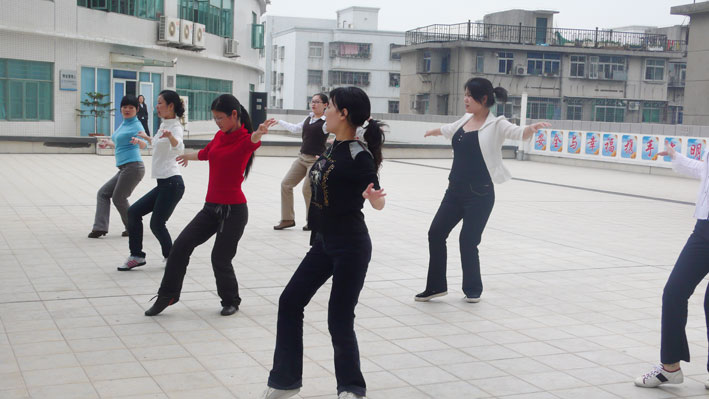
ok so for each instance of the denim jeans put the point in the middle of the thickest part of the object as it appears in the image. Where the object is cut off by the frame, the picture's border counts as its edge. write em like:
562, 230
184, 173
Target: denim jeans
473, 205
161, 201
346, 259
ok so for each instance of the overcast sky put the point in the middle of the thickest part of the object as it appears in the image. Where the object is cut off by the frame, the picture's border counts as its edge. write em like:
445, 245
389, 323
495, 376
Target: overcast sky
403, 15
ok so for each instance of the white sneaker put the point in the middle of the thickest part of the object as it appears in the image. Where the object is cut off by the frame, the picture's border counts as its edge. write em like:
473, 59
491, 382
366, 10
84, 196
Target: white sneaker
273, 393
706, 384
349, 395
659, 376
471, 299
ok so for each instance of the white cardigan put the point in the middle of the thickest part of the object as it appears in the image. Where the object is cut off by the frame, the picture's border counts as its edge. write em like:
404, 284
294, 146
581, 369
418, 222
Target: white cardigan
698, 170
492, 135
164, 154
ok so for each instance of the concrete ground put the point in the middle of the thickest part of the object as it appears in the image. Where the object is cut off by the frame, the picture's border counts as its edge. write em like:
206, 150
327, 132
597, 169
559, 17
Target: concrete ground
573, 260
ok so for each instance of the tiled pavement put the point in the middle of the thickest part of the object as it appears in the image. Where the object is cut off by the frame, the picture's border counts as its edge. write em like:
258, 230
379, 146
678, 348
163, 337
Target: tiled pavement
573, 281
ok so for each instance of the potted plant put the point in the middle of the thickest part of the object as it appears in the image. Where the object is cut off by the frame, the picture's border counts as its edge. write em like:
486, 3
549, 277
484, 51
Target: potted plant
95, 106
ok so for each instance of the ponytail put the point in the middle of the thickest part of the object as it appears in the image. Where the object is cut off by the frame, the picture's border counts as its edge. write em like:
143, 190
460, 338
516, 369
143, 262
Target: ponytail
246, 120
500, 94
374, 136
227, 104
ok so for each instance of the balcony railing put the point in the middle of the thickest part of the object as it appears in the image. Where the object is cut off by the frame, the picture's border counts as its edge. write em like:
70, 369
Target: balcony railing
518, 34
675, 82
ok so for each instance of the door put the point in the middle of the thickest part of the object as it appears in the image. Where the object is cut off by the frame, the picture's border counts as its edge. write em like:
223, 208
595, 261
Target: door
146, 90
541, 30
257, 103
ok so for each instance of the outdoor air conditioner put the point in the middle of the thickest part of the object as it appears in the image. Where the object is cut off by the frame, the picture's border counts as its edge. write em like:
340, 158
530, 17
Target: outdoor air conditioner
519, 70
168, 30
231, 48
186, 32
199, 39
633, 105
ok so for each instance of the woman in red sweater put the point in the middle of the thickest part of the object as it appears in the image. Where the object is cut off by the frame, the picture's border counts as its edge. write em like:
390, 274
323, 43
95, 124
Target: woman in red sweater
230, 155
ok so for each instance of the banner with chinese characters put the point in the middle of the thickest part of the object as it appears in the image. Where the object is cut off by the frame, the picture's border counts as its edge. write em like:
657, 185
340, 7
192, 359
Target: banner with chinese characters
610, 145
695, 147
575, 140
630, 146
593, 143
556, 141
540, 140
651, 145
674, 142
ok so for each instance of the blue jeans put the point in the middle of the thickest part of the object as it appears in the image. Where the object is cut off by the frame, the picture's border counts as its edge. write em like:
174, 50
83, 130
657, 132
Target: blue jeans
691, 268
161, 201
473, 205
346, 259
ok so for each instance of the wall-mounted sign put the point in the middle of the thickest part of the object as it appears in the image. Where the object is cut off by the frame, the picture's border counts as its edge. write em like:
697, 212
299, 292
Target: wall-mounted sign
67, 79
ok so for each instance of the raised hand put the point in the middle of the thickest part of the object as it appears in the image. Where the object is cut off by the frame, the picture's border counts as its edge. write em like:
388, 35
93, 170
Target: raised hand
371, 194
669, 151
166, 134
263, 128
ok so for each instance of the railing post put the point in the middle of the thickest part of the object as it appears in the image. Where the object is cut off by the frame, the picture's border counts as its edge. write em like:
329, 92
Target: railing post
595, 39
519, 33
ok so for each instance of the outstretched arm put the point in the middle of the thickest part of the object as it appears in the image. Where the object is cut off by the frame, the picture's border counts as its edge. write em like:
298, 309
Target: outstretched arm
185, 158
262, 129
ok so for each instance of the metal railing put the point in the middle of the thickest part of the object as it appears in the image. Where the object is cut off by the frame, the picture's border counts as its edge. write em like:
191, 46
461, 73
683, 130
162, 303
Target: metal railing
518, 34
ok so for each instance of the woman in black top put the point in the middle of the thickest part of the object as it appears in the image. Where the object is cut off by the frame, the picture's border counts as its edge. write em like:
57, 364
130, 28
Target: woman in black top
342, 178
143, 113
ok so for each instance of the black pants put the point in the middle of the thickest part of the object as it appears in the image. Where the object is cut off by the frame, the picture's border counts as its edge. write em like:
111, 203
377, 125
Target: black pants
345, 258
144, 121
227, 222
473, 205
691, 268
161, 201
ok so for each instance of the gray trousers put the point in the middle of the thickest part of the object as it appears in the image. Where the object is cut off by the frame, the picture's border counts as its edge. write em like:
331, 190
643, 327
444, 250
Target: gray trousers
118, 189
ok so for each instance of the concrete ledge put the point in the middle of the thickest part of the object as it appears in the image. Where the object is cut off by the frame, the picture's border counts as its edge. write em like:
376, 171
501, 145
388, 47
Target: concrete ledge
643, 169
47, 145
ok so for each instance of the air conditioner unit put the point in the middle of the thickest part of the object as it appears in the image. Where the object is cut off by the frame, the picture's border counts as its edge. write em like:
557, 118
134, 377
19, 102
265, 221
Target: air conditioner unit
231, 48
633, 105
199, 39
519, 70
168, 30
186, 32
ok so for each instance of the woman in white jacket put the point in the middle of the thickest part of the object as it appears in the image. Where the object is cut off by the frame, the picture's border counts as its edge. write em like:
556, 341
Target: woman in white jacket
162, 200
477, 140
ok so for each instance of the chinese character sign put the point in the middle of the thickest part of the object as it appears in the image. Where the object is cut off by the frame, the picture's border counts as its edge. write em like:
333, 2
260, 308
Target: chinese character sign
650, 148
630, 147
610, 145
695, 147
674, 142
556, 141
593, 143
540, 140
574, 144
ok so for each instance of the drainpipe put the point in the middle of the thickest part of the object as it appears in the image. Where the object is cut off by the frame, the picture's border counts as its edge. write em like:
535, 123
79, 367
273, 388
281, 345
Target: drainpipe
523, 147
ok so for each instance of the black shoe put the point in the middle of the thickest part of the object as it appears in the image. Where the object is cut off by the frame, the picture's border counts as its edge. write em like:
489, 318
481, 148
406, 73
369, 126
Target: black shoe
428, 295
97, 233
284, 224
160, 304
229, 310
306, 228
125, 234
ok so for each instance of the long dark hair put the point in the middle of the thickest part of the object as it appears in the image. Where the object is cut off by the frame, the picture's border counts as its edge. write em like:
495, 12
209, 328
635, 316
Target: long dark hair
171, 97
227, 104
356, 101
481, 87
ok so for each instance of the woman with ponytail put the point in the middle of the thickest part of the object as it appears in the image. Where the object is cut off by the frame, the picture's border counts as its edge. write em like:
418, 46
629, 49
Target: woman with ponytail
477, 140
230, 155
342, 178
162, 200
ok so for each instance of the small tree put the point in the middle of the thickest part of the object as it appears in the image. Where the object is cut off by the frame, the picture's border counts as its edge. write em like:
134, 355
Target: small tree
97, 108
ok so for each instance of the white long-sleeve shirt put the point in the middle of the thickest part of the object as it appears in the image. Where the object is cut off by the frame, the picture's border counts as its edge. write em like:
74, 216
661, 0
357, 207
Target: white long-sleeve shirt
164, 154
698, 170
297, 128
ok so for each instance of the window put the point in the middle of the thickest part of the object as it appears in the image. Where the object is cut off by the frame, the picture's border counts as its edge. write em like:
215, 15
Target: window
393, 107
607, 67
394, 79
445, 62
578, 66
676, 114
652, 112
274, 55
426, 65
546, 64
505, 62
148, 9
543, 108
609, 111
201, 92
348, 78
216, 15
511, 109
655, 70
350, 50
281, 52
677, 74
574, 112
257, 32
26, 90
252, 87
480, 63
442, 105
421, 103
315, 49
274, 78
280, 103
315, 77
281, 78
392, 55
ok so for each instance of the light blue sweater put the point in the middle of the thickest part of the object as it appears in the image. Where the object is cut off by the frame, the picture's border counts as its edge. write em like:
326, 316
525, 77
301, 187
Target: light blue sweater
125, 151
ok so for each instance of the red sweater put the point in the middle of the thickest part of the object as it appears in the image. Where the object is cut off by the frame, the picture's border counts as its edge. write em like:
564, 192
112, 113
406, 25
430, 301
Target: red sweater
227, 154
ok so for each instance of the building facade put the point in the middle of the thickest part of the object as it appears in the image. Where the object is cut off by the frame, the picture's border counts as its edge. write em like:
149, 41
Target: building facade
54, 53
306, 59
596, 75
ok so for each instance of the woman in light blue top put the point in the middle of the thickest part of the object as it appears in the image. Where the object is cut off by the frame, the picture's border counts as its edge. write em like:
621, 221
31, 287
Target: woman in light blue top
130, 168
